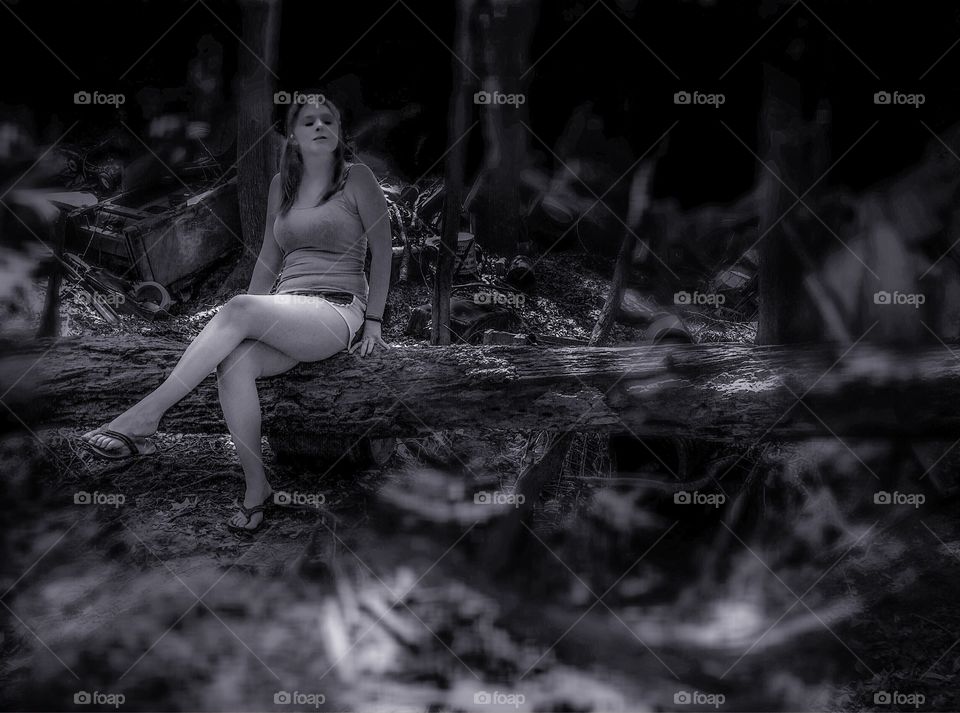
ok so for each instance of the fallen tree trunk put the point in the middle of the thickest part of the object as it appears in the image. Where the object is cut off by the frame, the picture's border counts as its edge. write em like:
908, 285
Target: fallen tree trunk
716, 391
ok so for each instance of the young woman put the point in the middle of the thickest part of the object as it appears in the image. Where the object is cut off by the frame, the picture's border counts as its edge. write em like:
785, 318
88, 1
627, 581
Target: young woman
307, 299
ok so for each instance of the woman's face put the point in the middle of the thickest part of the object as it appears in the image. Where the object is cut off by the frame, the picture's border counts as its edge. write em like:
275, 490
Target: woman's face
317, 129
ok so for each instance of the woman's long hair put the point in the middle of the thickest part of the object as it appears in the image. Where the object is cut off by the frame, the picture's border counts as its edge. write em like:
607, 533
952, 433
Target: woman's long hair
291, 162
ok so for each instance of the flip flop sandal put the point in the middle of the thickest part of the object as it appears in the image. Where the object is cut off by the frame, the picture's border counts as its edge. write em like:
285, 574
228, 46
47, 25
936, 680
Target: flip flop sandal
249, 513
133, 450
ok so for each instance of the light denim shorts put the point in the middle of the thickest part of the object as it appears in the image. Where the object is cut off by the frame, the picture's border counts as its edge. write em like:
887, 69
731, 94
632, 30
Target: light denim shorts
352, 312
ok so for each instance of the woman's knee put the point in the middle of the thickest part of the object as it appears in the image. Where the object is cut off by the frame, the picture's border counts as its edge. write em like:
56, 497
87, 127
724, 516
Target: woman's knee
238, 308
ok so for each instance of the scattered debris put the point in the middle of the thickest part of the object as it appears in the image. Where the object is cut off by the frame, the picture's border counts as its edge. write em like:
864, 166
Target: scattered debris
521, 273
492, 336
668, 329
468, 319
109, 296
163, 235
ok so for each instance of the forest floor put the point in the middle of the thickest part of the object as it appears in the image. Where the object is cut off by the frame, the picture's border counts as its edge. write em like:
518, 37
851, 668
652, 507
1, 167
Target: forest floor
797, 593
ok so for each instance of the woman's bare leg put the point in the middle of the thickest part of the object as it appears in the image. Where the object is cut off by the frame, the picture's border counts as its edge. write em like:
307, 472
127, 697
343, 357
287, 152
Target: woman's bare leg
306, 329
236, 381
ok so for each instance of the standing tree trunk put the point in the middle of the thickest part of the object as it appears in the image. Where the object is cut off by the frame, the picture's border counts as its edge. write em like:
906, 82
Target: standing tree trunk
793, 307
453, 178
256, 143
508, 33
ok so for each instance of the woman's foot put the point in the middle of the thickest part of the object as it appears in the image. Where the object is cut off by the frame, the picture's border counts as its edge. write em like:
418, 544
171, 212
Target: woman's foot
138, 428
252, 498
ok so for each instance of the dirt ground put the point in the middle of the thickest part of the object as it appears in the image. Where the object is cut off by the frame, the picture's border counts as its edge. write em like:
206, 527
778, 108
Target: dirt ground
798, 593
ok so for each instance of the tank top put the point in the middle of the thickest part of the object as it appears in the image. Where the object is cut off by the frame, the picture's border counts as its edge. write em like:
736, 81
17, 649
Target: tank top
324, 248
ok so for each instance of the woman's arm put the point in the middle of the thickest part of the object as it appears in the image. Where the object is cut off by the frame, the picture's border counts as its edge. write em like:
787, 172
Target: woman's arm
376, 222
271, 256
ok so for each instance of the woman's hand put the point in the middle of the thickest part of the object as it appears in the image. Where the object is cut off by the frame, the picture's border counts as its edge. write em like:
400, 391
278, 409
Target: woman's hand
371, 337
